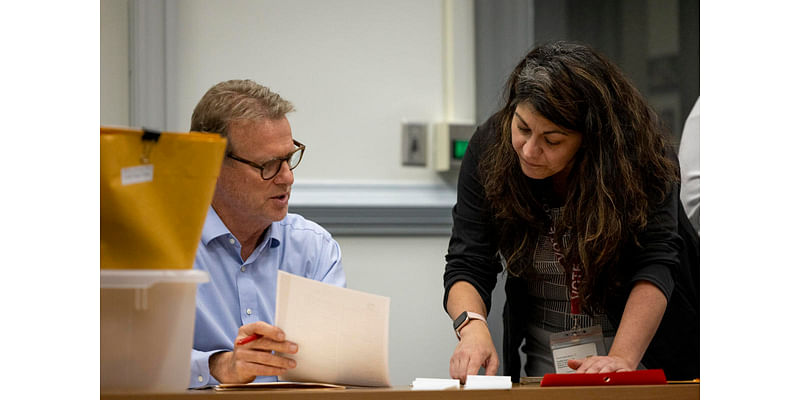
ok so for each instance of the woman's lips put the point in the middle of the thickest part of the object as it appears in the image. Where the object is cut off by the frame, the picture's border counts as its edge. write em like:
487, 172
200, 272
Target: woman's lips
531, 165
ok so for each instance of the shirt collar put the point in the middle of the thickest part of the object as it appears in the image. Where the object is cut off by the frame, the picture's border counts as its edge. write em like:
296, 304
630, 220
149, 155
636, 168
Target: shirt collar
214, 228
273, 233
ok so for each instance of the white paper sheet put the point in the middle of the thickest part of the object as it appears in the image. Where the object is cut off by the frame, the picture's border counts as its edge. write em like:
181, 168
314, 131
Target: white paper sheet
487, 382
434, 384
342, 334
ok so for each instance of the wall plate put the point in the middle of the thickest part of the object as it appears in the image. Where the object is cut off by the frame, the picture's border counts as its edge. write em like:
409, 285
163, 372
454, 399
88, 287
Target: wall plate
415, 144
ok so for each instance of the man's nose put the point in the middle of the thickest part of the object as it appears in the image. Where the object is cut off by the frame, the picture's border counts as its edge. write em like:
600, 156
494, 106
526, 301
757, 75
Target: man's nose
285, 174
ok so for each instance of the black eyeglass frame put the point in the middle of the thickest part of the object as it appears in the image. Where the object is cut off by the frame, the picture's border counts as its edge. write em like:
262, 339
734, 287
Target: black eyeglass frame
300, 147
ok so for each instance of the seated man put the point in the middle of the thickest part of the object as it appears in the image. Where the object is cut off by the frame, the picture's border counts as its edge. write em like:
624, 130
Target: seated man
248, 236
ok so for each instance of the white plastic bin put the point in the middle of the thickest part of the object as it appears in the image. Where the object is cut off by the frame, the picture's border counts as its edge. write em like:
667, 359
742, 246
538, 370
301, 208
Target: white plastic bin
147, 328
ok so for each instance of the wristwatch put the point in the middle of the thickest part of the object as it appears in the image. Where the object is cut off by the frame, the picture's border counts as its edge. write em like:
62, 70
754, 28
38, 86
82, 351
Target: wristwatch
463, 319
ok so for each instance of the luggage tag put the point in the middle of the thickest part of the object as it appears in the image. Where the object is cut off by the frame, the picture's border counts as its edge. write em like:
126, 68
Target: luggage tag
575, 344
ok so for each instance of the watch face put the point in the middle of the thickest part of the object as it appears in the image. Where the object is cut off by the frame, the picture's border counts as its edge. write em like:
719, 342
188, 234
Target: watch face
460, 320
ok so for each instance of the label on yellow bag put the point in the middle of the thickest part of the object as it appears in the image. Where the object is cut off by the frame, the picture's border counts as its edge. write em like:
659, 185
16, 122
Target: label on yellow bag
137, 174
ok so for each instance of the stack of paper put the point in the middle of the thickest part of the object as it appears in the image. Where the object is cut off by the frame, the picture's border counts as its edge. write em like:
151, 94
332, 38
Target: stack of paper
342, 334
487, 382
434, 384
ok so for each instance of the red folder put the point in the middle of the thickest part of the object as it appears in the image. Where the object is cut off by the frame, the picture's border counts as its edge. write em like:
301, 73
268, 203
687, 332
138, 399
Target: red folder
641, 377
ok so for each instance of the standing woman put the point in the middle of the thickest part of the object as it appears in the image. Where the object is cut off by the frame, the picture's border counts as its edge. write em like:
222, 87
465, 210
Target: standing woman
572, 189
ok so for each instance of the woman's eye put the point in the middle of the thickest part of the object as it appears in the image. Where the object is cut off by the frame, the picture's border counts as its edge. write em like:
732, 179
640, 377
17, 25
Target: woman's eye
550, 143
523, 129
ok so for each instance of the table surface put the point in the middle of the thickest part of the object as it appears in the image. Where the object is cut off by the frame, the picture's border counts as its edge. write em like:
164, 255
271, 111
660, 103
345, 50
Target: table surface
532, 391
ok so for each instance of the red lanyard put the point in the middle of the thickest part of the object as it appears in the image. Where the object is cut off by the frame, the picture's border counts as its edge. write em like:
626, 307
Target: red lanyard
574, 273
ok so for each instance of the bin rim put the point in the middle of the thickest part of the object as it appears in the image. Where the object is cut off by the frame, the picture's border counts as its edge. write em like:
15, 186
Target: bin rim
144, 278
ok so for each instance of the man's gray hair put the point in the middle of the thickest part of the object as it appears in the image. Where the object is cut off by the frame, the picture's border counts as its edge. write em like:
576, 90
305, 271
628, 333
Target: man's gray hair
236, 100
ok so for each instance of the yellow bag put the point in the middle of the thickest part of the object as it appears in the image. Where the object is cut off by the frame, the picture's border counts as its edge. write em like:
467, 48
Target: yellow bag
155, 190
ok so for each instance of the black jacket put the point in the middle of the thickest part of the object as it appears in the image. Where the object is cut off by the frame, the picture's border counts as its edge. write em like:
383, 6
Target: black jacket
669, 258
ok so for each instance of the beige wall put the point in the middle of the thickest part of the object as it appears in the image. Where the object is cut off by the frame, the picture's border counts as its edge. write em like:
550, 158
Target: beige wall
114, 92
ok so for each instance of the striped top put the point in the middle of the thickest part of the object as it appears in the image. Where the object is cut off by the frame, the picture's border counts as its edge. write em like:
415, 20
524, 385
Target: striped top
550, 291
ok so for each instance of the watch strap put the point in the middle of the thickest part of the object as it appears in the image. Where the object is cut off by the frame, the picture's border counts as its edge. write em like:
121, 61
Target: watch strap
463, 319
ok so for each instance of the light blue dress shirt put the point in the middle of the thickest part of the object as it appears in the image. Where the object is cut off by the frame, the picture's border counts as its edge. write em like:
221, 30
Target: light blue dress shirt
241, 292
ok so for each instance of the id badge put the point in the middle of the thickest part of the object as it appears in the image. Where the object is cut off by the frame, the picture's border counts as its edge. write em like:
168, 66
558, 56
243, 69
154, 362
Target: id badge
576, 344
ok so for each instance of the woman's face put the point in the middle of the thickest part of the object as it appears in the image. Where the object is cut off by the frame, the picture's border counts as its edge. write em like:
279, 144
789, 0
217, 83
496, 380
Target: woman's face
544, 149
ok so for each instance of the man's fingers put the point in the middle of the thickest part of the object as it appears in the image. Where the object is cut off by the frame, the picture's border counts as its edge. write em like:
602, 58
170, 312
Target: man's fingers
267, 344
263, 329
257, 369
574, 364
266, 358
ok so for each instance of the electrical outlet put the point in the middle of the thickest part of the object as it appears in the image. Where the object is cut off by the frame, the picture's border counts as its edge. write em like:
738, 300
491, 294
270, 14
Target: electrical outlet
415, 144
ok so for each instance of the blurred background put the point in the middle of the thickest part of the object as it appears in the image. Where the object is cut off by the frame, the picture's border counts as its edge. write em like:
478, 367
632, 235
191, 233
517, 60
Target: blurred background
384, 91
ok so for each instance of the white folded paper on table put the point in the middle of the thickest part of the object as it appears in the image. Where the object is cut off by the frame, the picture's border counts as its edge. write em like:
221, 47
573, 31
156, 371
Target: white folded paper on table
342, 334
434, 384
487, 382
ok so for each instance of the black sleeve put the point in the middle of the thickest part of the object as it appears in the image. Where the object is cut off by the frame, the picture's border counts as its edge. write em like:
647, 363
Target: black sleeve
472, 252
658, 258
669, 257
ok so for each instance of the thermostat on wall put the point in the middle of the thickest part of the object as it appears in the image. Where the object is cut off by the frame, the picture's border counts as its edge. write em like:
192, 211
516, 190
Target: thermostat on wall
450, 144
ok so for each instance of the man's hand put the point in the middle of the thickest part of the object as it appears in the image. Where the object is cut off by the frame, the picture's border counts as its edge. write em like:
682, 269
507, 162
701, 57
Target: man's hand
475, 350
247, 361
600, 364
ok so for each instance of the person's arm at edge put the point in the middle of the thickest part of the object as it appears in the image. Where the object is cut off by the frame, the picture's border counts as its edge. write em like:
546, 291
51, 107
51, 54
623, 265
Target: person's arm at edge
689, 159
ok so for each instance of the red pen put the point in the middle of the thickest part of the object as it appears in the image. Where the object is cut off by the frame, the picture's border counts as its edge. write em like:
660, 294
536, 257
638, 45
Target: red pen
248, 339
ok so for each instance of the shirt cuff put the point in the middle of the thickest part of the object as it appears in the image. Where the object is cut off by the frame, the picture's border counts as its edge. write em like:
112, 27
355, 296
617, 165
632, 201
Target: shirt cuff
657, 274
201, 374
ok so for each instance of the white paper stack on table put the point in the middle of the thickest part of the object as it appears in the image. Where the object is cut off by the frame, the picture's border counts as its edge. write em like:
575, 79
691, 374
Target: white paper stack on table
434, 384
342, 334
487, 382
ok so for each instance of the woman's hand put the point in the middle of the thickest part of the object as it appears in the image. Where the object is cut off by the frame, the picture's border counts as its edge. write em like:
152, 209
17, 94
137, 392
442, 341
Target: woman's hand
475, 350
600, 364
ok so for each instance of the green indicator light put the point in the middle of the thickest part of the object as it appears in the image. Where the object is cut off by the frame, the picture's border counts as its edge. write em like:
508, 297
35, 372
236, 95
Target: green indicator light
459, 148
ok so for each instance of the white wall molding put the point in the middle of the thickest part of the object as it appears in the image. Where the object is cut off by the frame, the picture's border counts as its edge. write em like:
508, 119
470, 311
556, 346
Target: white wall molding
147, 24
346, 208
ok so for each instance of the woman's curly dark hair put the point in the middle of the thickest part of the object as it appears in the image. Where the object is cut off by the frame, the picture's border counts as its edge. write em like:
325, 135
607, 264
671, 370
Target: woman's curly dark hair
621, 169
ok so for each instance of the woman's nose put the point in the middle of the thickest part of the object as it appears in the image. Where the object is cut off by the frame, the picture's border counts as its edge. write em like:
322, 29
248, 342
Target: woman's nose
531, 148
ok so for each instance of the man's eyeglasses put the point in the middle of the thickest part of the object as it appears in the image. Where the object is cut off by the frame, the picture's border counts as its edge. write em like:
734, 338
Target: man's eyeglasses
271, 168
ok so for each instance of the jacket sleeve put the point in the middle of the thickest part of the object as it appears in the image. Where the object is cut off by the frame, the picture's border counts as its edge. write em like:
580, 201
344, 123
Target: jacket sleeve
669, 257
657, 259
472, 252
